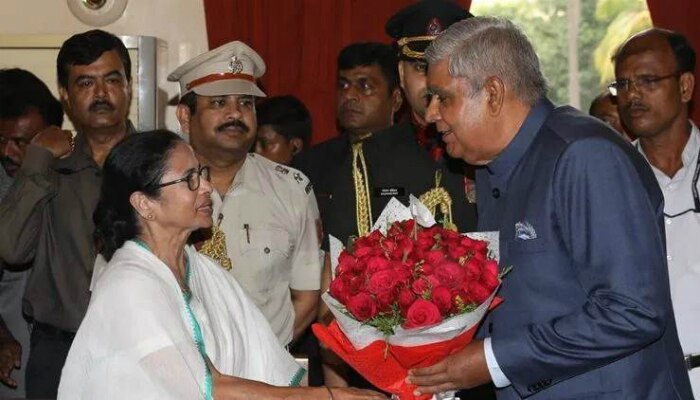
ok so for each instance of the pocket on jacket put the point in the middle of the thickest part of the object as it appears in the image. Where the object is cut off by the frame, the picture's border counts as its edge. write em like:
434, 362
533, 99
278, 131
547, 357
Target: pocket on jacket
527, 246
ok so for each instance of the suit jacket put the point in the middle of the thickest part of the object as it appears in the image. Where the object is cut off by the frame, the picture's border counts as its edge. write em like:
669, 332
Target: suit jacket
587, 311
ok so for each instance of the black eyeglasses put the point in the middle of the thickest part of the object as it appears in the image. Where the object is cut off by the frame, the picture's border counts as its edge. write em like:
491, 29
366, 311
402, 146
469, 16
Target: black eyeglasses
645, 83
193, 179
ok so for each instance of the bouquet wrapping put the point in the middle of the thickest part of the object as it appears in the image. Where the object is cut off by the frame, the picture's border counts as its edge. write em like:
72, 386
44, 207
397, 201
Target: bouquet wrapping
407, 295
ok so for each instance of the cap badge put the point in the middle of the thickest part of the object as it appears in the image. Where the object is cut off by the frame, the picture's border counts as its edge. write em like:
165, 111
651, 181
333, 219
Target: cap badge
235, 66
434, 27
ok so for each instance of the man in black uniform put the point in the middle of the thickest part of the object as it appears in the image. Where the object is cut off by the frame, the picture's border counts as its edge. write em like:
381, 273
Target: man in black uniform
372, 160
356, 173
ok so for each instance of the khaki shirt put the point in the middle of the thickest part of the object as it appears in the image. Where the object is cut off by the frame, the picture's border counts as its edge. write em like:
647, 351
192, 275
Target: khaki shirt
269, 219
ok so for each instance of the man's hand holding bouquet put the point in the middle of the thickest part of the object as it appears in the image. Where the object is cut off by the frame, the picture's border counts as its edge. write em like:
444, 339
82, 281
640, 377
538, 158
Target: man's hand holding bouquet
407, 295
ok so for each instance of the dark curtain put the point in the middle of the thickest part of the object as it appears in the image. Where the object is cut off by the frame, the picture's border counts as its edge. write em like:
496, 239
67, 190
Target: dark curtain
681, 16
299, 41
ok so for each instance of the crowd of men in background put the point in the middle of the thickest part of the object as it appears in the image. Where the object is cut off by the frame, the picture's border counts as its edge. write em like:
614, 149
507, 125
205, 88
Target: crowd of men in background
277, 199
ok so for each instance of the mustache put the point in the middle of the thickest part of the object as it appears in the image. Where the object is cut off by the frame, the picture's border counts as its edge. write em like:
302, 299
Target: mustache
236, 123
8, 161
101, 105
350, 107
635, 105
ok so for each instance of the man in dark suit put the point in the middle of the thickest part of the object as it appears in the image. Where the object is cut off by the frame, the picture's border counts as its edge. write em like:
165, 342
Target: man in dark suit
587, 310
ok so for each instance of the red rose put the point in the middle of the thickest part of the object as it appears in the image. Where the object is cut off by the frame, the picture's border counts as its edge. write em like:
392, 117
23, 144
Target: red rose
449, 274
433, 280
472, 268
405, 299
374, 237
422, 313
420, 286
362, 307
481, 246
405, 244
339, 290
382, 281
359, 267
442, 298
450, 235
355, 283
466, 241
385, 300
478, 292
434, 256
491, 266
362, 251
480, 255
489, 276
346, 258
427, 268
389, 245
376, 264
408, 226
403, 274
425, 242
456, 252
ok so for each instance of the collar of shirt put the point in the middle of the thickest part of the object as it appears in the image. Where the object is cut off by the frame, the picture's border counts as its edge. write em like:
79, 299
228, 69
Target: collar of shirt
689, 156
502, 167
80, 158
247, 177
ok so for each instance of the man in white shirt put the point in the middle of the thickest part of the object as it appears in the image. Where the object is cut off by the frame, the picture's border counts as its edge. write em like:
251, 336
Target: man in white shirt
264, 213
654, 86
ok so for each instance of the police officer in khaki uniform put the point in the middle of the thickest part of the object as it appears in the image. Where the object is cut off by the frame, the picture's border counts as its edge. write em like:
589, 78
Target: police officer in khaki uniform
265, 214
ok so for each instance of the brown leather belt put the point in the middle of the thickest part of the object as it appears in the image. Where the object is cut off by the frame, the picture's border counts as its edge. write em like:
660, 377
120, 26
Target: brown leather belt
692, 361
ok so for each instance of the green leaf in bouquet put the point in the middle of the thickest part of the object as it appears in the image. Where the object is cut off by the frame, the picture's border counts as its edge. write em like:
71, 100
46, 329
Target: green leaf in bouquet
386, 322
463, 307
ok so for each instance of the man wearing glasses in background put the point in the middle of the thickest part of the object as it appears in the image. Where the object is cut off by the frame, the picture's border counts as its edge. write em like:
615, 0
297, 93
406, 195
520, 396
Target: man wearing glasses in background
654, 86
26, 107
46, 216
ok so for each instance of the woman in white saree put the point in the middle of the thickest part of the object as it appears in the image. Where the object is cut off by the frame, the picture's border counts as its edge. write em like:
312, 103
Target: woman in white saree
165, 322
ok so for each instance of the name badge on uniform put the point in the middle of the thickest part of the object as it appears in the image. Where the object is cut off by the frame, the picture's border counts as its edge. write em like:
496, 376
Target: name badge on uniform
389, 191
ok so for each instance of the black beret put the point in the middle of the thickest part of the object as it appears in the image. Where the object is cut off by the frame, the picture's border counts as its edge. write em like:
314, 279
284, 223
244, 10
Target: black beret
415, 26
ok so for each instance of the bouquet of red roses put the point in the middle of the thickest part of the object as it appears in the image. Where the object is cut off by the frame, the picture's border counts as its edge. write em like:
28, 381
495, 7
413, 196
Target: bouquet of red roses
407, 298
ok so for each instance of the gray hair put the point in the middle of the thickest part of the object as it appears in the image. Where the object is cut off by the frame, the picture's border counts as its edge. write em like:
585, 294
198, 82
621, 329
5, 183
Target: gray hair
481, 47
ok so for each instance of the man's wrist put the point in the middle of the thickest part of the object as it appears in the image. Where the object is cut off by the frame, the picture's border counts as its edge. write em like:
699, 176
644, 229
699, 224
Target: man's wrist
500, 380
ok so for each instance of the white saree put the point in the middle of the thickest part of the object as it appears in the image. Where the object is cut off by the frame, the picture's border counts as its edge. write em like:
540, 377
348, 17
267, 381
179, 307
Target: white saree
137, 340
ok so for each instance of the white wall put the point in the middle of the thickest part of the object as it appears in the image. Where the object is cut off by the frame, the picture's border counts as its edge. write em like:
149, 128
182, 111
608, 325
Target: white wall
178, 24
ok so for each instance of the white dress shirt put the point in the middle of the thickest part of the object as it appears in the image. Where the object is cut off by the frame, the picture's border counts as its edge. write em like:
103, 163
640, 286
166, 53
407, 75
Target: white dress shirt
683, 248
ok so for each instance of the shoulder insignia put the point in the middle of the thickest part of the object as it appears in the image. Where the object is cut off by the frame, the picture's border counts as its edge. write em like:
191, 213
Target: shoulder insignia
298, 177
309, 187
281, 169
